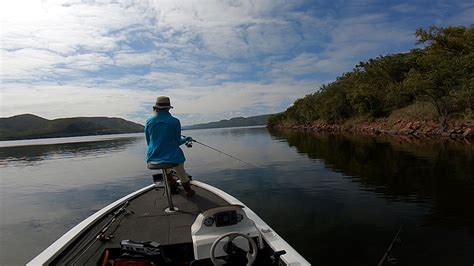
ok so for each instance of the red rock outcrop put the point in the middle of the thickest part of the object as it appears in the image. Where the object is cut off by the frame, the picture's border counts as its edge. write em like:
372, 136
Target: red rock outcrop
418, 128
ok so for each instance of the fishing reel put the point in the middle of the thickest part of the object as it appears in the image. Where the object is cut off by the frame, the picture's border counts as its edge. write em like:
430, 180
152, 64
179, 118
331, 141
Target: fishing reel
189, 144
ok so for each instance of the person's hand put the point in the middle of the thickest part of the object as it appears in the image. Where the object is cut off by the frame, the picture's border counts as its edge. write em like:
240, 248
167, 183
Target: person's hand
189, 142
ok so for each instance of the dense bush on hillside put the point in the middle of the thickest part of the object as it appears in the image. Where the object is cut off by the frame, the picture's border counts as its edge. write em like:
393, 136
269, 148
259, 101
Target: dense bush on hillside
441, 74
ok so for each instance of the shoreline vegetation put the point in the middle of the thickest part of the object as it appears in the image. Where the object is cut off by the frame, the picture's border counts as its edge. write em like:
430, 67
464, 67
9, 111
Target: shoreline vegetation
427, 92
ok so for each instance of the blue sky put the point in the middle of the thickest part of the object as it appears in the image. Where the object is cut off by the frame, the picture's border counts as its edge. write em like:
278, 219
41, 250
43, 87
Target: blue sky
215, 59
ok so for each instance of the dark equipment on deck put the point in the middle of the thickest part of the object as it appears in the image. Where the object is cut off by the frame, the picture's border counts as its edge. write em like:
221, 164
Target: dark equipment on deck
149, 248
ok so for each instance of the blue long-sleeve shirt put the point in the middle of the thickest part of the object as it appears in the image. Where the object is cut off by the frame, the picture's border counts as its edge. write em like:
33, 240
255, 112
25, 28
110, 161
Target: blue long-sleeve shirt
163, 137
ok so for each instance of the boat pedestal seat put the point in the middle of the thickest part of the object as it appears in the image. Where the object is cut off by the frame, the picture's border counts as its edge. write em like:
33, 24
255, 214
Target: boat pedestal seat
163, 167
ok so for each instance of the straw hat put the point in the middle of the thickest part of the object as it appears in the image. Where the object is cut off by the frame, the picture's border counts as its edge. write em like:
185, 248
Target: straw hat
163, 102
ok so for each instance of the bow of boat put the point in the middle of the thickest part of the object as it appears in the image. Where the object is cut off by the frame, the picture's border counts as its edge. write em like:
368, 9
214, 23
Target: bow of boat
138, 228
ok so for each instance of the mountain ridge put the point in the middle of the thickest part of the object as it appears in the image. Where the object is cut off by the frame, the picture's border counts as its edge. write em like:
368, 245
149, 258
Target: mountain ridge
30, 126
259, 120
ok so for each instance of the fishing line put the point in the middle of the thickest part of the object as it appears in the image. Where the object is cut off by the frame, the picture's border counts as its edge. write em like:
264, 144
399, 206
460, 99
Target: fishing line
221, 152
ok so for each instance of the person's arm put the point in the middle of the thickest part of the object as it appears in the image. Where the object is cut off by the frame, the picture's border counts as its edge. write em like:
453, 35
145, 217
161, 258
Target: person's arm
147, 136
181, 139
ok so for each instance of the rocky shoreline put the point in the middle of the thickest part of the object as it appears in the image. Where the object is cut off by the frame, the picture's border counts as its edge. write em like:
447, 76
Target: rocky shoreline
459, 130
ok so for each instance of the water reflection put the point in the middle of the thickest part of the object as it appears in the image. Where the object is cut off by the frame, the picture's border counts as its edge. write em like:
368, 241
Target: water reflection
29, 155
441, 174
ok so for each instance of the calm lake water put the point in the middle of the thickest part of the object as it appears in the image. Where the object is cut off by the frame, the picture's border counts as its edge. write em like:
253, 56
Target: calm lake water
339, 200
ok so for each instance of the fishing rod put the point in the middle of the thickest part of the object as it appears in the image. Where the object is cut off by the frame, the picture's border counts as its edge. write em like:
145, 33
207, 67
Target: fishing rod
221, 152
386, 256
101, 232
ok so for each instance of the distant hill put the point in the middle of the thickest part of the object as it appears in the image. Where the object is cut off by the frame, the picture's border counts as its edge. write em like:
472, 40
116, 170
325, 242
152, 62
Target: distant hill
28, 126
259, 120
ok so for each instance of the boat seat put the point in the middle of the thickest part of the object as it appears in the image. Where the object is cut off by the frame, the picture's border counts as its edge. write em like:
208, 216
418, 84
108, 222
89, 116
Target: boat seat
157, 166
163, 167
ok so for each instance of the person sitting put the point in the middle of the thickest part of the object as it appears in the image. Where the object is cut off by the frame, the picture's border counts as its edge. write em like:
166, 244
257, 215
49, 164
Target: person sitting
163, 138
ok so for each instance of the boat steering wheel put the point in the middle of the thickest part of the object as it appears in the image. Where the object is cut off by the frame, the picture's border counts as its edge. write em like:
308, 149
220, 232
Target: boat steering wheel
233, 235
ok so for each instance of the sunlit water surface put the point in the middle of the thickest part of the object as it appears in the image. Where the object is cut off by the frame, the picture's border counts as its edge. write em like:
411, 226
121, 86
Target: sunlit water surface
338, 200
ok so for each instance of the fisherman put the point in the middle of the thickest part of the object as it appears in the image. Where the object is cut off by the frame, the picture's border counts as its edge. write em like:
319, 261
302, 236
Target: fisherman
163, 137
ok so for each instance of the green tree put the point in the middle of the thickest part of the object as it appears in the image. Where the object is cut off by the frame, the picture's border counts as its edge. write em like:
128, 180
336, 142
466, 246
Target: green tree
443, 75
440, 73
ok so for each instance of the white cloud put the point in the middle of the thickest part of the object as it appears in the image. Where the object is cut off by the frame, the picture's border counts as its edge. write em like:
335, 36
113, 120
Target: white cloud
136, 59
89, 62
404, 8
272, 38
237, 67
351, 39
67, 101
229, 29
466, 17
237, 96
27, 63
214, 58
203, 102
300, 65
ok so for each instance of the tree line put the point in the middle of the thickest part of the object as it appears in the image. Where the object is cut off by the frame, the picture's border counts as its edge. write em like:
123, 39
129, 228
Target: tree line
440, 73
